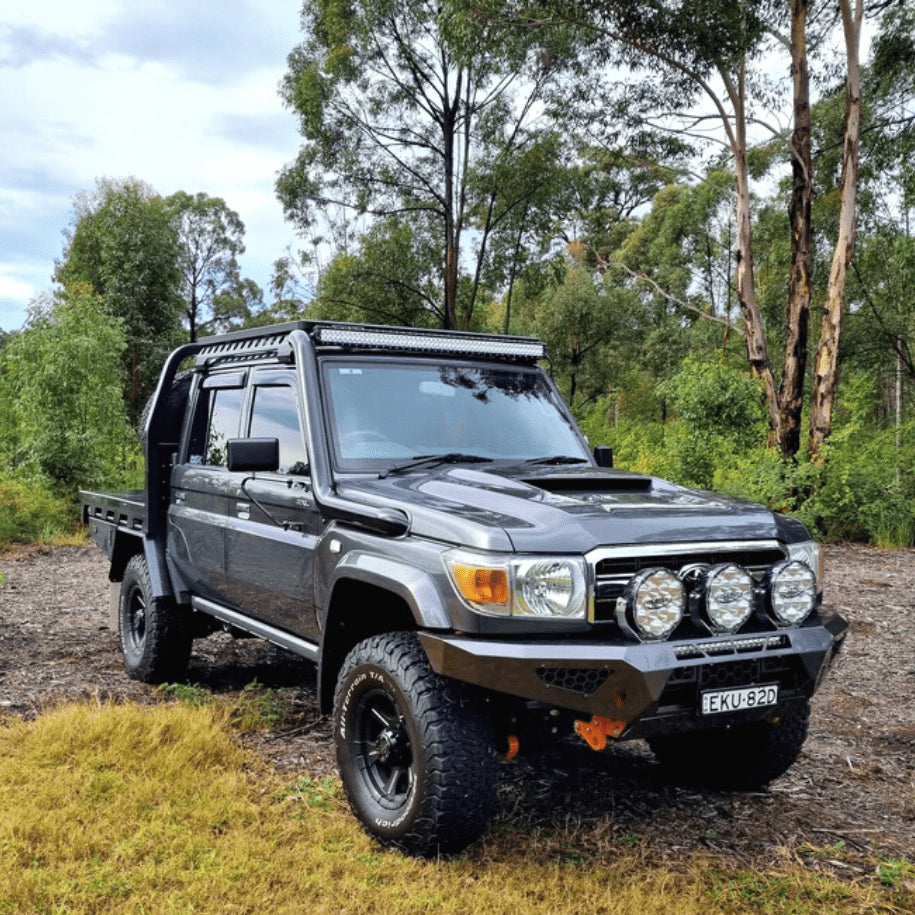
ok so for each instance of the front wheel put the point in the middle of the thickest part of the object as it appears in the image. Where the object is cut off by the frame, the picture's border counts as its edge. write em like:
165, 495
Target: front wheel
155, 639
415, 752
742, 757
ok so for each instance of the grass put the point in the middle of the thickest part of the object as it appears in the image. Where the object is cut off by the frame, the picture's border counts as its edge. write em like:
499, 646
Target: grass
257, 708
130, 809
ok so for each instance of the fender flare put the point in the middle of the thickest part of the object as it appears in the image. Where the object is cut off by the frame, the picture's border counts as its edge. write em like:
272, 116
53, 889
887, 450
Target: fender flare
415, 587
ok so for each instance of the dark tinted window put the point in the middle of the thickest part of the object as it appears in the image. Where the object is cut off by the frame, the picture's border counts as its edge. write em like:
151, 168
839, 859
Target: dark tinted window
215, 422
274, 415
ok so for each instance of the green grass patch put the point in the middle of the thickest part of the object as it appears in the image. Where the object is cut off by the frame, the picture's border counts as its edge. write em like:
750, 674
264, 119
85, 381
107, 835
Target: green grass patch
896, 872
256, 708
158, 809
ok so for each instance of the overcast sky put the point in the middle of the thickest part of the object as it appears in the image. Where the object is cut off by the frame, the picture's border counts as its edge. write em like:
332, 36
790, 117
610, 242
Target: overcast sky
182, 95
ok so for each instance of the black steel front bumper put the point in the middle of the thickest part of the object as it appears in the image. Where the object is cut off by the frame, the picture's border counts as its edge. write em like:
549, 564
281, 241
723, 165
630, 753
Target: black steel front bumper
649, 687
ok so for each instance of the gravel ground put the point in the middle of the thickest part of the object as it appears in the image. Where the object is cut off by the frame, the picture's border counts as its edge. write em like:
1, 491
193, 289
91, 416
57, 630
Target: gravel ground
848, 802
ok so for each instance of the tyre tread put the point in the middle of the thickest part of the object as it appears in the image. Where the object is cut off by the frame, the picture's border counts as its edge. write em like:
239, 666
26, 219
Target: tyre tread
167, 643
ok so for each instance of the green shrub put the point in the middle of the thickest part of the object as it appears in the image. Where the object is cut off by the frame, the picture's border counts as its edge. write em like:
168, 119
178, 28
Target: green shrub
864, 491
62, 415
716, 401
31, 512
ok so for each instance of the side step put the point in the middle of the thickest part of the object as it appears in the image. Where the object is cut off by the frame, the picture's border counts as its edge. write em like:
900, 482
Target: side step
262, 630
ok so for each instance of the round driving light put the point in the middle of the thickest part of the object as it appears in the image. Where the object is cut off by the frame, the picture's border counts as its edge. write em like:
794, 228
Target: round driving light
792, 592
550, 587
728, 597
652, 605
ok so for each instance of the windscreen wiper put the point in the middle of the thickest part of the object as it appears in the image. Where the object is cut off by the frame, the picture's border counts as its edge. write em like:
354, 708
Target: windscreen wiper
558, 459
421, 460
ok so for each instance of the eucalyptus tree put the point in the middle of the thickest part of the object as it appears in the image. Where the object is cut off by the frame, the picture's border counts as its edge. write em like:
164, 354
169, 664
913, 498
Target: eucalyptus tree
389, 277
211, 239
677, 52
404, 106
881, 320
678, 56
826, 368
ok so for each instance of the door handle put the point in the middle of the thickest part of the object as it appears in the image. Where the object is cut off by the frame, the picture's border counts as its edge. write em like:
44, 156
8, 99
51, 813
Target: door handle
243, 510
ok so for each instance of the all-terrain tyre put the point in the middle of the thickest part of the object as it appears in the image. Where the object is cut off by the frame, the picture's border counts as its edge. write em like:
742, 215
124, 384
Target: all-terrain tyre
742, 757
415, 750
155, 638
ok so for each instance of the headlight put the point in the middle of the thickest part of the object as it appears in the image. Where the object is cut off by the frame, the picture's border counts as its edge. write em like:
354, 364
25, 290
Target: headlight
652, 605
728, 597
792, 592
547, 587
811, 555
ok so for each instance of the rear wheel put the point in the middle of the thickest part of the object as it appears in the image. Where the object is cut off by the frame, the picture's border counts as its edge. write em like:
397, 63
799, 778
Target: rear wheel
415, 751
741, 757
155, 639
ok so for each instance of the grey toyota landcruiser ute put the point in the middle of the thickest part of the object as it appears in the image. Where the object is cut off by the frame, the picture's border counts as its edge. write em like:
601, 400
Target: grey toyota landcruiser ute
417, 512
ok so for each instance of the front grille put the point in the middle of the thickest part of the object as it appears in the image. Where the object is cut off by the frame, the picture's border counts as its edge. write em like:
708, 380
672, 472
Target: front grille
613, 572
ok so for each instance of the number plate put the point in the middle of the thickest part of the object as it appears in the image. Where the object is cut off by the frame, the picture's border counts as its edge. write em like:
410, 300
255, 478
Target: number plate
714, 702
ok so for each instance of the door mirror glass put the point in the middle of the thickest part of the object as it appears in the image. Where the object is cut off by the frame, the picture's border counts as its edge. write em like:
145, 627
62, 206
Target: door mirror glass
251, 455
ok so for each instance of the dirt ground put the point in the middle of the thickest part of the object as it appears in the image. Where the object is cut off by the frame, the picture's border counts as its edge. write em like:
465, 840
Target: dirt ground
847, 803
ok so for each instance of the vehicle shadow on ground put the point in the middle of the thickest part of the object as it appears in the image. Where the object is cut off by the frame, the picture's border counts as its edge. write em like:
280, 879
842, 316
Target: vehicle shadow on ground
224, 664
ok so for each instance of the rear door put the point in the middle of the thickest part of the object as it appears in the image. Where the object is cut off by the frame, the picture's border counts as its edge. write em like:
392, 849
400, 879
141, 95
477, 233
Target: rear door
198, 514
274, 527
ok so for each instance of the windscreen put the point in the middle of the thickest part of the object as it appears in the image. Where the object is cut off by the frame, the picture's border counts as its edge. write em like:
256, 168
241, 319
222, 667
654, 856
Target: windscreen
384, 413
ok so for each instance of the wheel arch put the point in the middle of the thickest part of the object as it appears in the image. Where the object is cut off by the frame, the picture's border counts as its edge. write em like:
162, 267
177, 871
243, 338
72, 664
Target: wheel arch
125, 547
360, 607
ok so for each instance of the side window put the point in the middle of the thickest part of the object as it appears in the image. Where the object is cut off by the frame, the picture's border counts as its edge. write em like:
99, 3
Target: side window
215, 421
275, 415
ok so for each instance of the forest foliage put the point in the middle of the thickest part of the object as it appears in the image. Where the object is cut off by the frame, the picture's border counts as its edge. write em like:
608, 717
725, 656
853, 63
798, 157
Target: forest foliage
706, 213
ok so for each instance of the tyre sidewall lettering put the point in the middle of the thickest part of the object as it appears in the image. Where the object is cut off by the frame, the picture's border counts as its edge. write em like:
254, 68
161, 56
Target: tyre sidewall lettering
361, 681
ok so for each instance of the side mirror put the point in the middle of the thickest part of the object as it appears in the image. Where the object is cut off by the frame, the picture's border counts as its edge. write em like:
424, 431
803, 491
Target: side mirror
251, 455
603, 455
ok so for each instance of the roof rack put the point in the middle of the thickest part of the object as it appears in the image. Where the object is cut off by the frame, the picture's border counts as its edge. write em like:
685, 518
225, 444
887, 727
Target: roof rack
271, 342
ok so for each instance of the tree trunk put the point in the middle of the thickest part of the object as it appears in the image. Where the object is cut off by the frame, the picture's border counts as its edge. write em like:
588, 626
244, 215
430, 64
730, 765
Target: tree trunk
192, 315
757, 348
513, 272
791, 391
826, 370
449, 127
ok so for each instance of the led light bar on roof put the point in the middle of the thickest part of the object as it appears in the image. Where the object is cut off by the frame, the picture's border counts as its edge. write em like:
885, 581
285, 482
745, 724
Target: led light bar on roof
458, 344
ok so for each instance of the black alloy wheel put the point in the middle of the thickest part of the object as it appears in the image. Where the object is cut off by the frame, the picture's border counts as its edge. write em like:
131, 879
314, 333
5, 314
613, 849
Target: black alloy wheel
383, 751
134, 629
